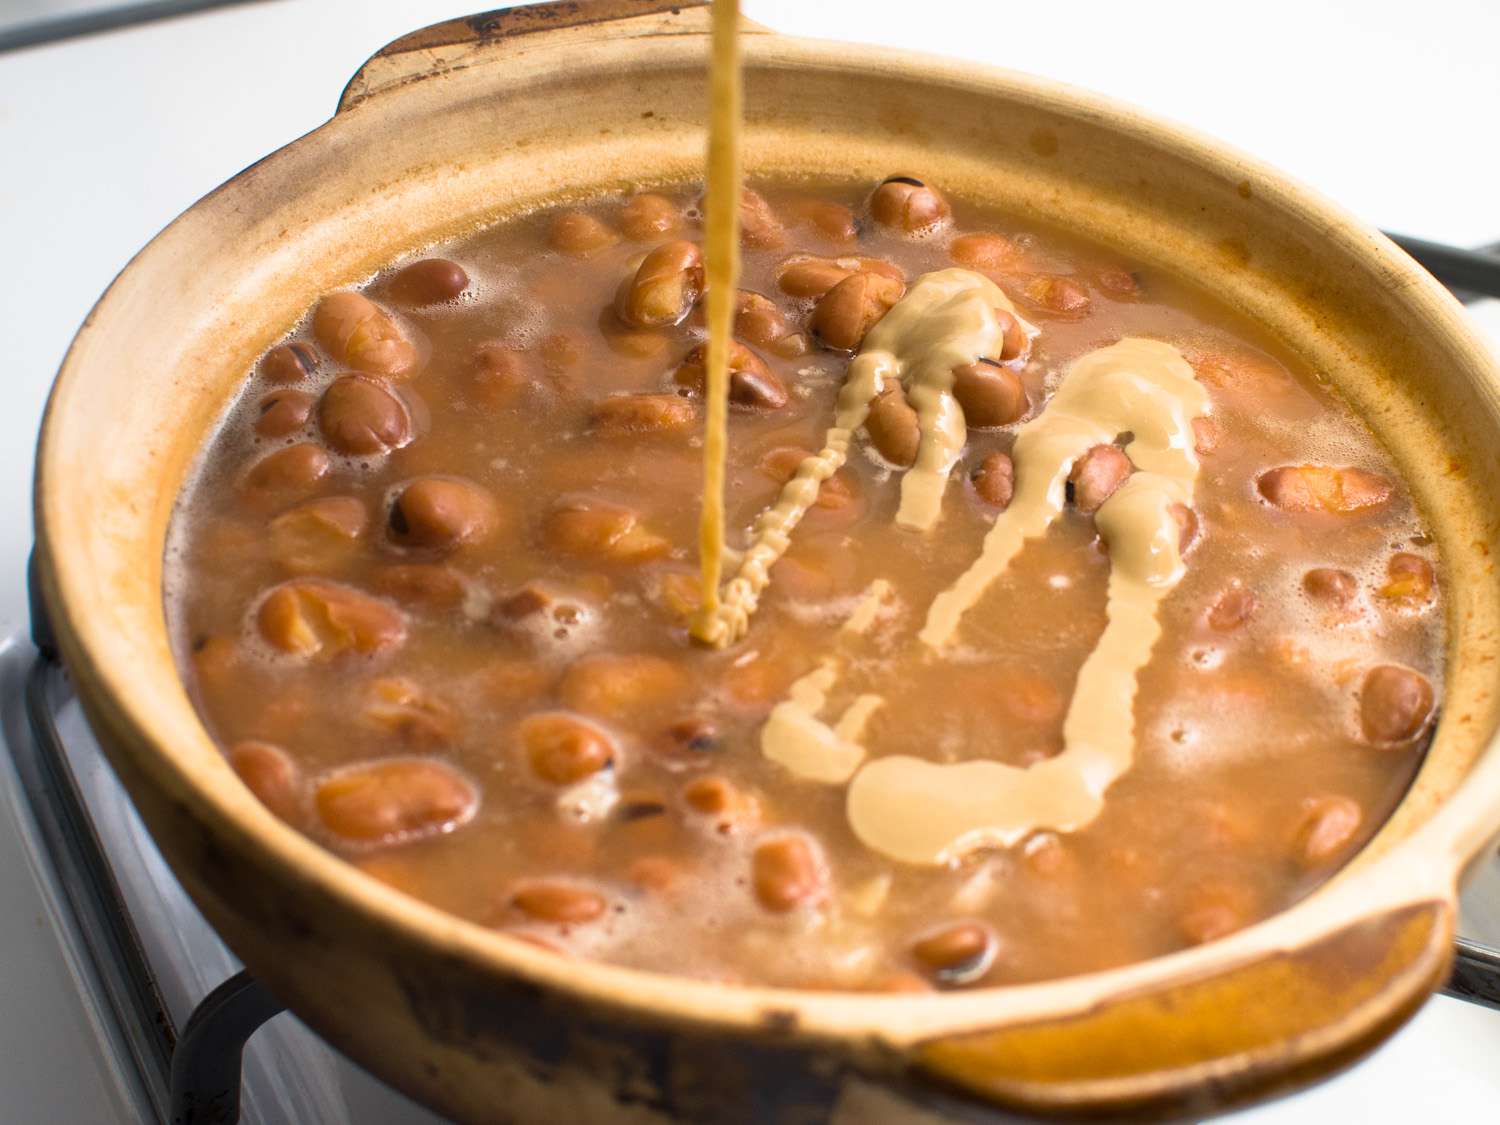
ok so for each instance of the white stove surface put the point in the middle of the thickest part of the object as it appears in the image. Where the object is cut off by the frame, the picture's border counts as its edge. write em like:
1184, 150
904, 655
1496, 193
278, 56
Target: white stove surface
106, 139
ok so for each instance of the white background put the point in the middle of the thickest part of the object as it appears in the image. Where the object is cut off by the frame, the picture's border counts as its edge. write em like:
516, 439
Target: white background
1388, 107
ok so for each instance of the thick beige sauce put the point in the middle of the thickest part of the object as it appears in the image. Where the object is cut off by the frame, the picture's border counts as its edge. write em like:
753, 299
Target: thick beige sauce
484, 690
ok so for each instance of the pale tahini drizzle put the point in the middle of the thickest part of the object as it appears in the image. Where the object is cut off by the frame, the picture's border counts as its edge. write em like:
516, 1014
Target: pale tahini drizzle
924, 812
945, 320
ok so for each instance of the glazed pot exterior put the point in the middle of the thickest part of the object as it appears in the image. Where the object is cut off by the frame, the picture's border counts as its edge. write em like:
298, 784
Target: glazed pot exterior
469, 121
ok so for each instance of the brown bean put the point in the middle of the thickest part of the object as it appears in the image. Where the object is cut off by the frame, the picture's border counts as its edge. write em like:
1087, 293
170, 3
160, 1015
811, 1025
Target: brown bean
760, 229
563, 749
851, 308
1059, 297
781, 465
289, 363
1120, 283
1409, 579
560, 352
692, 740
293, 469
985, 251
809, 278
359, 333
579, 234
643, 413
1215, 909
725, 803
441, 513
428, 282
398, 799
1327, 828
284, 411
559, 903
403, 708
628, 341
893, 426
752, 385
1323, 488
833, 221
1328, 584
664, 288
758, 321
621, 685
318, 536
312, 618
271, 775
597, 529
1015, 344
648, 216
656, 873
361, 415
990, 395
1395, 704
957, 953
995, 480
1096, 475
421, 586
906, 204
1233, 609
787, 872
1205, 435
499, 376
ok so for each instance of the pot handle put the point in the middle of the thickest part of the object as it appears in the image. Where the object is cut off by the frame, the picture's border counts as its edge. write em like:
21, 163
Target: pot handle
459, 43
1228, 1037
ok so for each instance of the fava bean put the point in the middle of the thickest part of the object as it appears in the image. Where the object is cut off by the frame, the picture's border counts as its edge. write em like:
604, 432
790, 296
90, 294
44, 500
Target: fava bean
1215, 909
442, 513
293, 469
760, 229
1409, 580
906, 204
282, 412
318, 536
289, 363
580, 235
725, 803
559, 903
319, 620
994, 480
956, 953
358, 332
563, 749
787, 872
893, 426
752, 385
271, 775
499, 376
1323, 488
649, 216
1096, 475
1059, 297
781, 464
985, 251
403, 708
758, 321
1233, 609
426, 586
833, 221
664, 287
1327, 828
643, 413
851, 308
395, 800
1331, 586
598, 529
1395, 705
427, 282
361, 415
990, 395
619, 685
